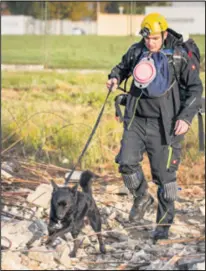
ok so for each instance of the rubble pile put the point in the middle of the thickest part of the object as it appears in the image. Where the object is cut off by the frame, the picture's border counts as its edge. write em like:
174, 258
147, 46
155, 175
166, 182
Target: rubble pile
129, 246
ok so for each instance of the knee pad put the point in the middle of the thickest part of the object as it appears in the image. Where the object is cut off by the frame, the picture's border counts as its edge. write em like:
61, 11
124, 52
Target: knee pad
132, 181
170, 191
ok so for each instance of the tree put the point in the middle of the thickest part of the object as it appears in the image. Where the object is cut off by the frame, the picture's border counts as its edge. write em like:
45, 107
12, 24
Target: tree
134, 7
75, 10
80, 11
112, 7
4, 9
55, 10
69, 10
19, 8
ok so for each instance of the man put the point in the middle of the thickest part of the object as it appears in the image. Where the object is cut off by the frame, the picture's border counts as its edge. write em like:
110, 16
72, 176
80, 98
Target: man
156, 117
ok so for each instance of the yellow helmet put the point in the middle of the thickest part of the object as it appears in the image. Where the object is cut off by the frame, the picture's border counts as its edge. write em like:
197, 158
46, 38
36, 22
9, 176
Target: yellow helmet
153, 23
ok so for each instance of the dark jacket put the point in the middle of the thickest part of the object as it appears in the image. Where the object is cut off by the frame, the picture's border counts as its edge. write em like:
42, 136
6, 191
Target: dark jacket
169, 107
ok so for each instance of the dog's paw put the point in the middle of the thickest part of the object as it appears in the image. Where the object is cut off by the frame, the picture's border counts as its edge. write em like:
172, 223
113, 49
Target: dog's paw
72, 254
103, 249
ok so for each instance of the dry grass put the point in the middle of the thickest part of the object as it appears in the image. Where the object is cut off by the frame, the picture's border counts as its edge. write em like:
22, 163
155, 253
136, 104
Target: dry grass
52, 124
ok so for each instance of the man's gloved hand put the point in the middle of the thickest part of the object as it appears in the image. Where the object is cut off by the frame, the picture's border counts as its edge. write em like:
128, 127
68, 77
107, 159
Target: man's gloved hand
112, 81
170, 191
181, 127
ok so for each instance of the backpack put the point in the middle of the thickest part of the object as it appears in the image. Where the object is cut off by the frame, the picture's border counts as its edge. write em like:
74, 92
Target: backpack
193, 53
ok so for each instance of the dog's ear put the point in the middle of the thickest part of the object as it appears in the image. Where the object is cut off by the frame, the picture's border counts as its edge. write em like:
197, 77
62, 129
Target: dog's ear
74, 188
55, 186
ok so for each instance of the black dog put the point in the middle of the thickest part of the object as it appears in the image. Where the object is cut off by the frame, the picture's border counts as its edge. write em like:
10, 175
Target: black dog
68, 209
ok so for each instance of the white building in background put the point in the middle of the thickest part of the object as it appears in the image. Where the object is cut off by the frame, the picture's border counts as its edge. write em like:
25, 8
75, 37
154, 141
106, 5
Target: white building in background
27, 25
189, 4
13, 25
183, 17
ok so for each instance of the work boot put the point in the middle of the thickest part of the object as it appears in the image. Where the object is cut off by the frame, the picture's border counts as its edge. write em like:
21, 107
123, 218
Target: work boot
160, 233
140, 206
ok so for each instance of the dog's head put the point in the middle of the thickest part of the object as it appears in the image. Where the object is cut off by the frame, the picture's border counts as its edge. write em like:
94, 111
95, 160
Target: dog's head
63, 200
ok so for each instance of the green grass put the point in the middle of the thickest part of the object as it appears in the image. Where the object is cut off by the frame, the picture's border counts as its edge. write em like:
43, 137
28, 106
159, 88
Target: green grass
89, 52
72, 87
66, 81
53, 115
202, 77
200, 40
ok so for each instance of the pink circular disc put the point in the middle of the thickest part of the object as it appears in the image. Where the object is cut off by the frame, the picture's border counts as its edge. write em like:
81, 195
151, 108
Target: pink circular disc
143, 72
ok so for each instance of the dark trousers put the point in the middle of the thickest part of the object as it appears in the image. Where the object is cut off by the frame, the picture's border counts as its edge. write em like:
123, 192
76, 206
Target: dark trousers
147, 135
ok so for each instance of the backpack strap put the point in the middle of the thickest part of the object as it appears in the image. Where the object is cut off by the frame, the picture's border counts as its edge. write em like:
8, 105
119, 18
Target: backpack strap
120, 99
201, 132
177, 60
201, 126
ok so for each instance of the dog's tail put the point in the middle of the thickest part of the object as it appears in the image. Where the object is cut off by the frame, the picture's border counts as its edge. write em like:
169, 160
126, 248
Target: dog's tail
86, 181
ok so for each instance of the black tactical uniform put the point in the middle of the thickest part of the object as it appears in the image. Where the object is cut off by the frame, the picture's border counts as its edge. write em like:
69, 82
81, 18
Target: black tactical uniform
149, 127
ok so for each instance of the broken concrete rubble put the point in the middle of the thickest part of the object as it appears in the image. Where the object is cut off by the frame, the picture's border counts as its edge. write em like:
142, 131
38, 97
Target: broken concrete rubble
131, 247
41, 196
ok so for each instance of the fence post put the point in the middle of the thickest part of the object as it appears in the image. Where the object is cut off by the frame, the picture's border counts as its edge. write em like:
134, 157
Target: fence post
45, 35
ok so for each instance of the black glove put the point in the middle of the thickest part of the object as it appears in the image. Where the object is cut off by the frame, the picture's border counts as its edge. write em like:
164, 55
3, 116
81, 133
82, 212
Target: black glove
170, 191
